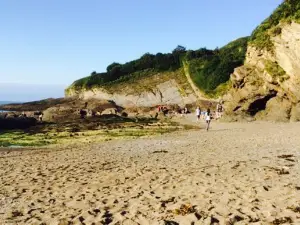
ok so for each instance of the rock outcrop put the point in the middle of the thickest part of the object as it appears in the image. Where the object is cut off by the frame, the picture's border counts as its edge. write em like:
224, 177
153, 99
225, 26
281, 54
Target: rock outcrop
267, 86
70, 111
17, 123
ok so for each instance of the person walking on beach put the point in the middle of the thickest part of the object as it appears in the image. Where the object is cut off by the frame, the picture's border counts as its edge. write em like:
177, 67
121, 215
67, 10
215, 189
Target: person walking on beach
185, 110
198, 113
219, 110
208, 118
41, 117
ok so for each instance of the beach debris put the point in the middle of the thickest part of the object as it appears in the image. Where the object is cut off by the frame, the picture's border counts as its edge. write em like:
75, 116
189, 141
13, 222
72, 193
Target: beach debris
285, 156
169, 200
234, 219
238, 218
236, 166
123, 213
170, 222
280, 171
81, 219
283, 170
211, 208
31, 210
282, 220
96, 211
253, 219
16, 213
294, 209
108, 217
214, 220
266, 189
198, 215
162, 151
184, 210
52, 200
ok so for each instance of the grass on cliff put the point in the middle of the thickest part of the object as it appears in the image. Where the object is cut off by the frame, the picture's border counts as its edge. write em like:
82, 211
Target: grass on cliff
221, 90
276, 71
287, 12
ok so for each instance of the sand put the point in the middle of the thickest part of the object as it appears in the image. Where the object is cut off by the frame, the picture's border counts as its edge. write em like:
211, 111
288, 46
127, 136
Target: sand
236, 173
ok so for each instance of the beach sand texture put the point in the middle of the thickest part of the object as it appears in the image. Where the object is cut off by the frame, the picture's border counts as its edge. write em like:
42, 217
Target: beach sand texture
236, 173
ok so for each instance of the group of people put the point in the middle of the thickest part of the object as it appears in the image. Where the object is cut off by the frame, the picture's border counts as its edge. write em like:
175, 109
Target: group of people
206, 115
163, 109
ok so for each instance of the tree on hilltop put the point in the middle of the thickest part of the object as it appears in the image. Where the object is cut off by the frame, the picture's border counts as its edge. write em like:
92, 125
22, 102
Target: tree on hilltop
179, 48
111, 66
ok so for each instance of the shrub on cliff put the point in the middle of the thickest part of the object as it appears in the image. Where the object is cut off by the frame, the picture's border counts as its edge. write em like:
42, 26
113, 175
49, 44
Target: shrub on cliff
118, 72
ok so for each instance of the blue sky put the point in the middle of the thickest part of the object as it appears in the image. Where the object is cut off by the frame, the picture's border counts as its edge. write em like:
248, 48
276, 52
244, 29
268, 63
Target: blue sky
58, 41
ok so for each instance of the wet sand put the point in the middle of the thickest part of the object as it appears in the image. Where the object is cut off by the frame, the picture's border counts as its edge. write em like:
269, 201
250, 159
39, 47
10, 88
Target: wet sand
236, 173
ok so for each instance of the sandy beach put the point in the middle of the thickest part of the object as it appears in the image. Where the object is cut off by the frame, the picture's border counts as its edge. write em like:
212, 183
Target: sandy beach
238, 173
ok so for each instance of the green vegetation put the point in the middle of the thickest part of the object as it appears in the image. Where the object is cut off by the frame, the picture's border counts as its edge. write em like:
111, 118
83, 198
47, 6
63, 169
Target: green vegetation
53, 136
288, 11
274, 69
144, 66
208, 73
221, 90
208, 68
19, 138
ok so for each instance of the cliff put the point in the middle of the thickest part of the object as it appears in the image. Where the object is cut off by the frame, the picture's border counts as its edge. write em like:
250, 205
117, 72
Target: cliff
267, 86
181, 77
155, 89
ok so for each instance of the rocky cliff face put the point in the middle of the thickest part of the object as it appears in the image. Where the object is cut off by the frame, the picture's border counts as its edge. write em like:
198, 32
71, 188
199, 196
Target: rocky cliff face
268, 85
165, 88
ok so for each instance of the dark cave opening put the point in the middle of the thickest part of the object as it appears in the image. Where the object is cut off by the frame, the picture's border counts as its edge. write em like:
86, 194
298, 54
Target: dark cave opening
260, 104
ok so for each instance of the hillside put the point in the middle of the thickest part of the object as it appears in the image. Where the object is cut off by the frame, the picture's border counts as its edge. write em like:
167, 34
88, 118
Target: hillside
211, 73
164, 78
267, 85
253, 75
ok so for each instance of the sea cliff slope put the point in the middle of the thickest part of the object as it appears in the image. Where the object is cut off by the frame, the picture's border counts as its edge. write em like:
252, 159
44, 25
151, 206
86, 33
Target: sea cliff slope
267, 86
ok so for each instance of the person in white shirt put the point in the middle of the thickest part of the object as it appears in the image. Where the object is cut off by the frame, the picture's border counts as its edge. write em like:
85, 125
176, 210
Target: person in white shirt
207, 118
198, 113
